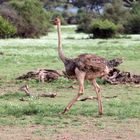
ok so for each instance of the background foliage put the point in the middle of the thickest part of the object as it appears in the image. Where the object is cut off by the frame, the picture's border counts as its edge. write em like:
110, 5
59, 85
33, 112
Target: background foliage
31, 18
28, 17
103, 28
6, 28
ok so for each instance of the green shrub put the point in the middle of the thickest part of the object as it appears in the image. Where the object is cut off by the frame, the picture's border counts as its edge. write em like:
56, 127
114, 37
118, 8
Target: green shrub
132, 26
115, 12
6, 28
28, 16
84, 19
103, 28
34, 21
90, 23
84, 25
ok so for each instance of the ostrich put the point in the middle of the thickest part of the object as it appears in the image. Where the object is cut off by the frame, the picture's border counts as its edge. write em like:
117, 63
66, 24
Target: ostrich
84, 67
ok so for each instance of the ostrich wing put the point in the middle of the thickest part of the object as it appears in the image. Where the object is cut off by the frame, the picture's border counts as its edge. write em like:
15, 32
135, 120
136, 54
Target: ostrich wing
89, 62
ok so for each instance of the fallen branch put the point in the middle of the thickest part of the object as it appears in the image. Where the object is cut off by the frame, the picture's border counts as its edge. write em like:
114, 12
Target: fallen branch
116, 76
109, 97
51, 95
25, 88
88, 98
95, 98
42, 75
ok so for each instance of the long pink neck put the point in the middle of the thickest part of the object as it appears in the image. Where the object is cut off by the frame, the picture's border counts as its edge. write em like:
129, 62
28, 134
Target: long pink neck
60, 51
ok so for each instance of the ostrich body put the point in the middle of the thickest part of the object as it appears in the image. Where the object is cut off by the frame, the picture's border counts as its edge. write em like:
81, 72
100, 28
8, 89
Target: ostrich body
84, 67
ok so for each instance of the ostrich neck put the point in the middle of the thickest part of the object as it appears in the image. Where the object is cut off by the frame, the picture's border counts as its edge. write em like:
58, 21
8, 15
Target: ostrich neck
60, 51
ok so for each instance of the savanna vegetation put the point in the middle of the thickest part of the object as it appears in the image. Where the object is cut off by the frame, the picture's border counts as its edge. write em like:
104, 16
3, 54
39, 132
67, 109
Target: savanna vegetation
19, 56
123, 16
28, 17
28, 41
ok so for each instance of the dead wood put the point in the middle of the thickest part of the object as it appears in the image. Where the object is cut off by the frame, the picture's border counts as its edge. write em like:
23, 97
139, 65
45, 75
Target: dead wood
95, 98
51, 95
88, 98
136, 79
42, 75
109, 97
22, 99
116, 76
25, 88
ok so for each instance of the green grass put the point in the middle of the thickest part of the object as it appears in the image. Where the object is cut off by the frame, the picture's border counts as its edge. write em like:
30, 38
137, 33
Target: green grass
23, 55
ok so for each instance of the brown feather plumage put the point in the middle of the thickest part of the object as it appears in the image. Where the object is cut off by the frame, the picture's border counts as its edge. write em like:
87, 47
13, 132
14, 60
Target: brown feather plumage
93, 65
91, 62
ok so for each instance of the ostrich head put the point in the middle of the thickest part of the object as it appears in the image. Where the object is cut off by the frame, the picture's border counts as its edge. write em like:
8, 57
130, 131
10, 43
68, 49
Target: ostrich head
57, 21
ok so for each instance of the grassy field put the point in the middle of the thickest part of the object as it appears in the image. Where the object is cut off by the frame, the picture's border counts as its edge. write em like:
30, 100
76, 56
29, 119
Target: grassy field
40, 117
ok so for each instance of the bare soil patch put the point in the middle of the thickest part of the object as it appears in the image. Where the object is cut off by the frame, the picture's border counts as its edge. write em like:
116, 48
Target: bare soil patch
91, 129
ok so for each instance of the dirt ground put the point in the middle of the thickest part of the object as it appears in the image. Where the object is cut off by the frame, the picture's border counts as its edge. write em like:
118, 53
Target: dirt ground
105, 128
91, 130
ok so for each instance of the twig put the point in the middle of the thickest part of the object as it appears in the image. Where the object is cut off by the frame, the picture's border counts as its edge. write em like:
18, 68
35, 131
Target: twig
95, 98
51, 95
88, 98
25, 88
109, 97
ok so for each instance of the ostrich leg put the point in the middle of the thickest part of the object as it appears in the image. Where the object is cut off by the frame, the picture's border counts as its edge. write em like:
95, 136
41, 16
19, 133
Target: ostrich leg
99, 98
80, 77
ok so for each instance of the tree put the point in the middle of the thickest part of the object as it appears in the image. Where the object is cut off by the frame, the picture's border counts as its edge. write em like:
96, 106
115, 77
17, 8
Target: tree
6, 28
84, 20
132, 25
90, 5
52, 4
130, 3
28, 16
60, 8
1, 1
115, 12
103, 28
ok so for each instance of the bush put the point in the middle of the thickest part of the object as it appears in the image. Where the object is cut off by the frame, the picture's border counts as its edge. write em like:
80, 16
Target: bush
115, 12
103, 28
84, 19
33, 18
6, 28
132, 25
84, 25
28, 16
